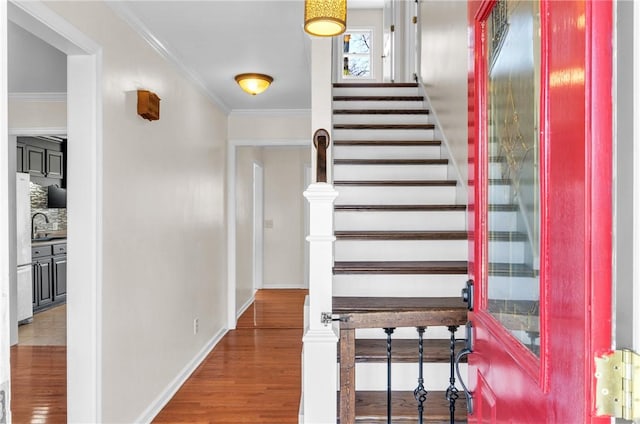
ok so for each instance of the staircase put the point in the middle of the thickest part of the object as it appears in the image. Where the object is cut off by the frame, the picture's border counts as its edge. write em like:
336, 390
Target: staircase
400, 256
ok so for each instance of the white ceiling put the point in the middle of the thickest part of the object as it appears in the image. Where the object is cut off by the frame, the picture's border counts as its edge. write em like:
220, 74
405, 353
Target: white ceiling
211, 41
215, 40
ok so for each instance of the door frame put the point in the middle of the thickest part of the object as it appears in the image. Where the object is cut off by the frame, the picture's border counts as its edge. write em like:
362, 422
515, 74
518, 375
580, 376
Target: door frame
84, 233
595, 191
232, 147
258, 226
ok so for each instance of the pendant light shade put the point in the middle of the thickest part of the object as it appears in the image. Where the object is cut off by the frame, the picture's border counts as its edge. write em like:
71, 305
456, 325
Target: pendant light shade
325, 18
254, 83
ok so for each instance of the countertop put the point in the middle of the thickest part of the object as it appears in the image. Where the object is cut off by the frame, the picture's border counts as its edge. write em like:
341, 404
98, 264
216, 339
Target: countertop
48, 241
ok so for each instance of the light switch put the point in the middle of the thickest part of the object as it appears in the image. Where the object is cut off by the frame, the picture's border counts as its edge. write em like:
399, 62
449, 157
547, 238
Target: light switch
268, 223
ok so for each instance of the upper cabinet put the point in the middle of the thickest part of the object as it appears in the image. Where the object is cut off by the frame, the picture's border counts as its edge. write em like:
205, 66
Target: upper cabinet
44, 160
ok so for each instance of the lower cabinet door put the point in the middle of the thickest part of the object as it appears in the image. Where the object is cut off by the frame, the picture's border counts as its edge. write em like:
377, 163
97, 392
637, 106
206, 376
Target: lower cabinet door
59, 277
46, 284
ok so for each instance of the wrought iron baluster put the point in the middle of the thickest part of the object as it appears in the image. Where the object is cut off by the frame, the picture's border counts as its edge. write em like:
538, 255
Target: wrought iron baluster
420, 393
452, 391
389, 332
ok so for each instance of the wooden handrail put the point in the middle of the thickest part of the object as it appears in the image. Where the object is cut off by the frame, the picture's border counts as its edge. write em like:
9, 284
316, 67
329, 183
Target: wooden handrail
321, 141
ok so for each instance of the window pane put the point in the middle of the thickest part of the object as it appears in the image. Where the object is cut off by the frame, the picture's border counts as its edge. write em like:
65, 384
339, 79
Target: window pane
356, 66
356, 54
513, 45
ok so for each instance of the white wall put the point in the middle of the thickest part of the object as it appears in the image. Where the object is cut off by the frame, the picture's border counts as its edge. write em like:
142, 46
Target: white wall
34, 65
285, 125
37, 113
284, 236
245, 158
163, 219
444, 70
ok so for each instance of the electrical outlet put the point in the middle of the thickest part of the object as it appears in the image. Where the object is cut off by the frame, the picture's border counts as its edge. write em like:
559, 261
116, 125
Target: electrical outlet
196, 326
3, 407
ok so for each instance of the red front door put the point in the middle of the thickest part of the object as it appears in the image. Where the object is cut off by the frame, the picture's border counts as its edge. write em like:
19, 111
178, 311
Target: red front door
540, 131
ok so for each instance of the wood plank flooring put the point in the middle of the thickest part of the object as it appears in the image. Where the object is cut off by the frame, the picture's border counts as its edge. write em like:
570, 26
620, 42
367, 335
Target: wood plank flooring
252, 375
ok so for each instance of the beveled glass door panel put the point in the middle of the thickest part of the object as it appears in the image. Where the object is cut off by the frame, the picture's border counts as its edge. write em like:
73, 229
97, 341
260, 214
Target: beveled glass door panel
513, 91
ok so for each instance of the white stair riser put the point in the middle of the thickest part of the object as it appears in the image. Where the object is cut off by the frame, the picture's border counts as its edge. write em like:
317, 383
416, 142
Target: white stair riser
389, 195
515, 288
404, 376
386, 152
384, 134
495, 170
410, 285
423, 250
404, 250
511, 252
499, 194
376, 91
340, 118
349, 172
378, 104
400, 221
435, 332
503, 220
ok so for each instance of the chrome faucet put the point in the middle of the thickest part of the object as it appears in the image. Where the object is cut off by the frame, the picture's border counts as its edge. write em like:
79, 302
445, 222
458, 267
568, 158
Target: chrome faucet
33, 223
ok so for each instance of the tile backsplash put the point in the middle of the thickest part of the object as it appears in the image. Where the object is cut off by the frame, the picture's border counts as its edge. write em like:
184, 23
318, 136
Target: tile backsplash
57, 217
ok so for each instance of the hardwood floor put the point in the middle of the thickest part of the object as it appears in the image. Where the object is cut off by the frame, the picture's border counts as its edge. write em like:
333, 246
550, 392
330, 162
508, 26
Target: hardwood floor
252, 375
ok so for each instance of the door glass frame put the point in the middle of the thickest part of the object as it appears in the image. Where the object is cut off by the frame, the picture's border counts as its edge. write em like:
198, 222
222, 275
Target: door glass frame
529, 363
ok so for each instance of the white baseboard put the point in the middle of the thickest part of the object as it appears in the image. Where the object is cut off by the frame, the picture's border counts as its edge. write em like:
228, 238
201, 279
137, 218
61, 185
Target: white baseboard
299, 285
246, 305
167, 394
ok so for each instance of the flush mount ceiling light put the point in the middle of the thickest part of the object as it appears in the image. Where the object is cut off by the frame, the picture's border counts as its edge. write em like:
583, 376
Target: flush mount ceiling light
325, 18
254, 83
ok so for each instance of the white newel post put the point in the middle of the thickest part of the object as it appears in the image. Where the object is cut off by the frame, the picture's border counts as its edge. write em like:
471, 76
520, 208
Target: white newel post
319, 359
319, 354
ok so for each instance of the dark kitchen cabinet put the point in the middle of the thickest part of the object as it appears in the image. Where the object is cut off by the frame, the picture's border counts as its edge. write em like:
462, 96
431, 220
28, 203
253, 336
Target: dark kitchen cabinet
42, 284
35, 161
59, 277
55, 167
49, 275
20, 155
43, 160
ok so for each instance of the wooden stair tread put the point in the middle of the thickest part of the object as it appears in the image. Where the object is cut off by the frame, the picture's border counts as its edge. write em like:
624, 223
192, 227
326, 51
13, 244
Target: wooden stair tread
401, 235
375, 85
404, 267
381, 312
387, 143
396, 304
428, 183
512, 270
371, 407
381, 111
408, 208
404, 350
503, 208
390, 161
383, 126
379, 98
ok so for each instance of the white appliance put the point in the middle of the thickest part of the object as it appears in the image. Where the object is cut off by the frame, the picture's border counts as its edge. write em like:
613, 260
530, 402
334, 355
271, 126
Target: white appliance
23, 221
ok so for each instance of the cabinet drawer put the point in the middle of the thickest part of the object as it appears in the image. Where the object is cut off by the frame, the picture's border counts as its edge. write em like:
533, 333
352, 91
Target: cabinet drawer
60, 249
40, 251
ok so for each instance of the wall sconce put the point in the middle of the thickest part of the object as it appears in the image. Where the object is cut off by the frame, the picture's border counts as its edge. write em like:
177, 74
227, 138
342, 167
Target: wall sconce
254, 83
148, 105
325, 18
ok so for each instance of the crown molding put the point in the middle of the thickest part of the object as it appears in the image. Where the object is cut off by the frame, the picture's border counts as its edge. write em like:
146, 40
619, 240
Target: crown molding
38, 97
123, 11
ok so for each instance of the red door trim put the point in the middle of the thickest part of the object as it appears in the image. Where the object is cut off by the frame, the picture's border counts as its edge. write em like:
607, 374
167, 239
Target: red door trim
599, 104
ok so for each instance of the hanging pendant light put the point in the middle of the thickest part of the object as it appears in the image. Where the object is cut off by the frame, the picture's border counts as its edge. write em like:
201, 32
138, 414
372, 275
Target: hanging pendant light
325, 18
253, 83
